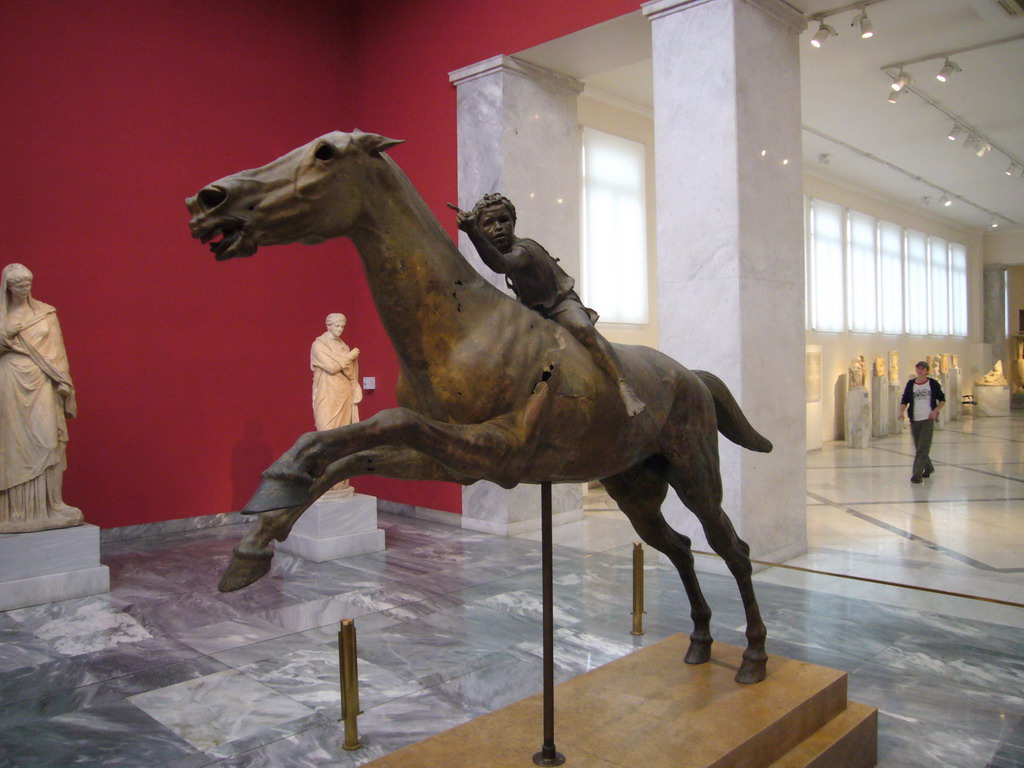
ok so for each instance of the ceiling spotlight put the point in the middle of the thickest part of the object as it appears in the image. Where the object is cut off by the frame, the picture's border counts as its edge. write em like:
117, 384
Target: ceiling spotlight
946, 201
865, 23
1013, 168
994, 223
893, 95
947, 69
983, 147
902, 81
971, 142
824, 33
954, 132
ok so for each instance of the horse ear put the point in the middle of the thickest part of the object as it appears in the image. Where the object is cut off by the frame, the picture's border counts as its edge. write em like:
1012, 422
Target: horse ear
373, 143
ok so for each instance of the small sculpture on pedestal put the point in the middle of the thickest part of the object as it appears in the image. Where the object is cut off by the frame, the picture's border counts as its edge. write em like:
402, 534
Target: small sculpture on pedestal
879, 366
858, 405
993, 378
36, 398
336, 390
857, 370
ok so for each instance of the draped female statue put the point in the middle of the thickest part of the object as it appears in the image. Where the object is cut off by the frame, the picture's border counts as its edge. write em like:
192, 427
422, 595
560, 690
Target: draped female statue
36, 397
336, 390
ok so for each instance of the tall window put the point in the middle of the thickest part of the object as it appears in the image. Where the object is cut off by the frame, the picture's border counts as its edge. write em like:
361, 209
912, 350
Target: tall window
890, 277
938, 267
917, 283
958, 289
863, 307
872, 276
827, 266
614, 227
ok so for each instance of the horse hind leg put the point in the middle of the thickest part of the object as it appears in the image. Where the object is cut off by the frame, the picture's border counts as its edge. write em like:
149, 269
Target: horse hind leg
639, 493
699, 487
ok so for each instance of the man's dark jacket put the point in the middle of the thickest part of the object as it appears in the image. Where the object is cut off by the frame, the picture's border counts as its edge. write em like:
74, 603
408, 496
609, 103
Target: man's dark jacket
908, 396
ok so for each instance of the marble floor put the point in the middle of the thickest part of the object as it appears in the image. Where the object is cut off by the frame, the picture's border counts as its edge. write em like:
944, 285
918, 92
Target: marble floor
166, 671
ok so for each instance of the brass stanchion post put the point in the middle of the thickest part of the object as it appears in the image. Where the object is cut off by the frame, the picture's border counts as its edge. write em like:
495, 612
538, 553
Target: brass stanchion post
349, 684
638, 589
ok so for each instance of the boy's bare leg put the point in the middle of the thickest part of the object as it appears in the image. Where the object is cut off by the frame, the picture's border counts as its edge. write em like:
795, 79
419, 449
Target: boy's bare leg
578, 324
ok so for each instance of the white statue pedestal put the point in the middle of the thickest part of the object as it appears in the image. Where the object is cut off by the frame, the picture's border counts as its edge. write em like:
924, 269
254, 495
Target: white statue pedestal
895, 396
858, 418
46, 566
953, 398
880, 406
335, 527
991, 400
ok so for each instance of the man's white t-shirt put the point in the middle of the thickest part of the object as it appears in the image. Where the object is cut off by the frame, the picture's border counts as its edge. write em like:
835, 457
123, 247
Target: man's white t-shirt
922, 400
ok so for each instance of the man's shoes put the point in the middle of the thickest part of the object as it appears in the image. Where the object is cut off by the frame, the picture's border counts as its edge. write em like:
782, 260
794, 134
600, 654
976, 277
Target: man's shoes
926, 473
915, 479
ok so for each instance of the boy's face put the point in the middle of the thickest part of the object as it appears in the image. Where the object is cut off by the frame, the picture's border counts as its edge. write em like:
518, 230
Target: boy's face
497, 224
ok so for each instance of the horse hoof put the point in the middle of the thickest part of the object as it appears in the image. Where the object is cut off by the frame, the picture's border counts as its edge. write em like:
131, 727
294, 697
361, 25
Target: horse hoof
279, 493
751, 672
699, 652
244, 569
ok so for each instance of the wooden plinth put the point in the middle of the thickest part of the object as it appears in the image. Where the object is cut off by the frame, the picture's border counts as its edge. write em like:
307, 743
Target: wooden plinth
650, 709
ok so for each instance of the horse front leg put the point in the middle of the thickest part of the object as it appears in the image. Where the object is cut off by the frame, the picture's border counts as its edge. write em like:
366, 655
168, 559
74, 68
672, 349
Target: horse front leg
494, 449
394, 443
251, 558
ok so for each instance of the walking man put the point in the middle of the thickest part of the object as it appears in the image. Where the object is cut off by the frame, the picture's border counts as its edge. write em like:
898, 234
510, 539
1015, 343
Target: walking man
925, 398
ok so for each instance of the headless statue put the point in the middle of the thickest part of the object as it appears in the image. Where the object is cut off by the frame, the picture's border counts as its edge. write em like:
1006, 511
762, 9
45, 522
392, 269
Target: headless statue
539, 283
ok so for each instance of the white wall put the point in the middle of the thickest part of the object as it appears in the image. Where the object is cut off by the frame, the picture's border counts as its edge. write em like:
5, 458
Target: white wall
1004, 248
839, 348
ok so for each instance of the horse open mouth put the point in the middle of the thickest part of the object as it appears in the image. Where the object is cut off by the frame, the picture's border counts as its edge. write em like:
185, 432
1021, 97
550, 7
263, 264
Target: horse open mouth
231, 242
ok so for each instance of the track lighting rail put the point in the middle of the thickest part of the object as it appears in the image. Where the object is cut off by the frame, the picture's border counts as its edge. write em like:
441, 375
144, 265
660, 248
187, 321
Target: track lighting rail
914, 176
947, 54
848, 7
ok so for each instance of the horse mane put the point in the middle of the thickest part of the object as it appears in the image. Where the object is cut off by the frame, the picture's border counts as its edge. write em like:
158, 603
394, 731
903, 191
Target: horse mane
430, 224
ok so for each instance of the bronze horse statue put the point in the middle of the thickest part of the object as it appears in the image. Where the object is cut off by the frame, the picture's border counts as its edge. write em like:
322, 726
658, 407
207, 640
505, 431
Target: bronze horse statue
489, 389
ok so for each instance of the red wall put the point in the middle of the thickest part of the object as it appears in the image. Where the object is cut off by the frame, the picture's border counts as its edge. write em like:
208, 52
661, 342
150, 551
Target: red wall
192, 375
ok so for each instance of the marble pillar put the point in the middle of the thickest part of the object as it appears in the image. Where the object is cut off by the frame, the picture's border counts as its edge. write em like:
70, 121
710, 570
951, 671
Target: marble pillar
518, 134
880, 409
994, 312
730, 242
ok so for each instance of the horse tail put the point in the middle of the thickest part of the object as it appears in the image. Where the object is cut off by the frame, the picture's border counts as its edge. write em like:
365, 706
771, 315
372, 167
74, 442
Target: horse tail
731, 421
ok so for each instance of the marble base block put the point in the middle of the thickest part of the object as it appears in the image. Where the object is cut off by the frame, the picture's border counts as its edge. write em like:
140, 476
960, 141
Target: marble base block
334, 528
858, 418
880, 406
991, 401
46, 566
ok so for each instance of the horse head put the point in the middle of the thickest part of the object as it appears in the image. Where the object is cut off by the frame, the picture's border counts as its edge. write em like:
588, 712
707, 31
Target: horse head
309, 195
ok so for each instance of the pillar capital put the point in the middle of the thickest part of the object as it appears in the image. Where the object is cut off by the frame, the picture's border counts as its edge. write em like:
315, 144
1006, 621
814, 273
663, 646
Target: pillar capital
779, 10
513, 66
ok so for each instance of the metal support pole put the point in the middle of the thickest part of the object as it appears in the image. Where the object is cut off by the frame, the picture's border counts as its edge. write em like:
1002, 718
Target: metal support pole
638, 589
349, 684
548, 755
